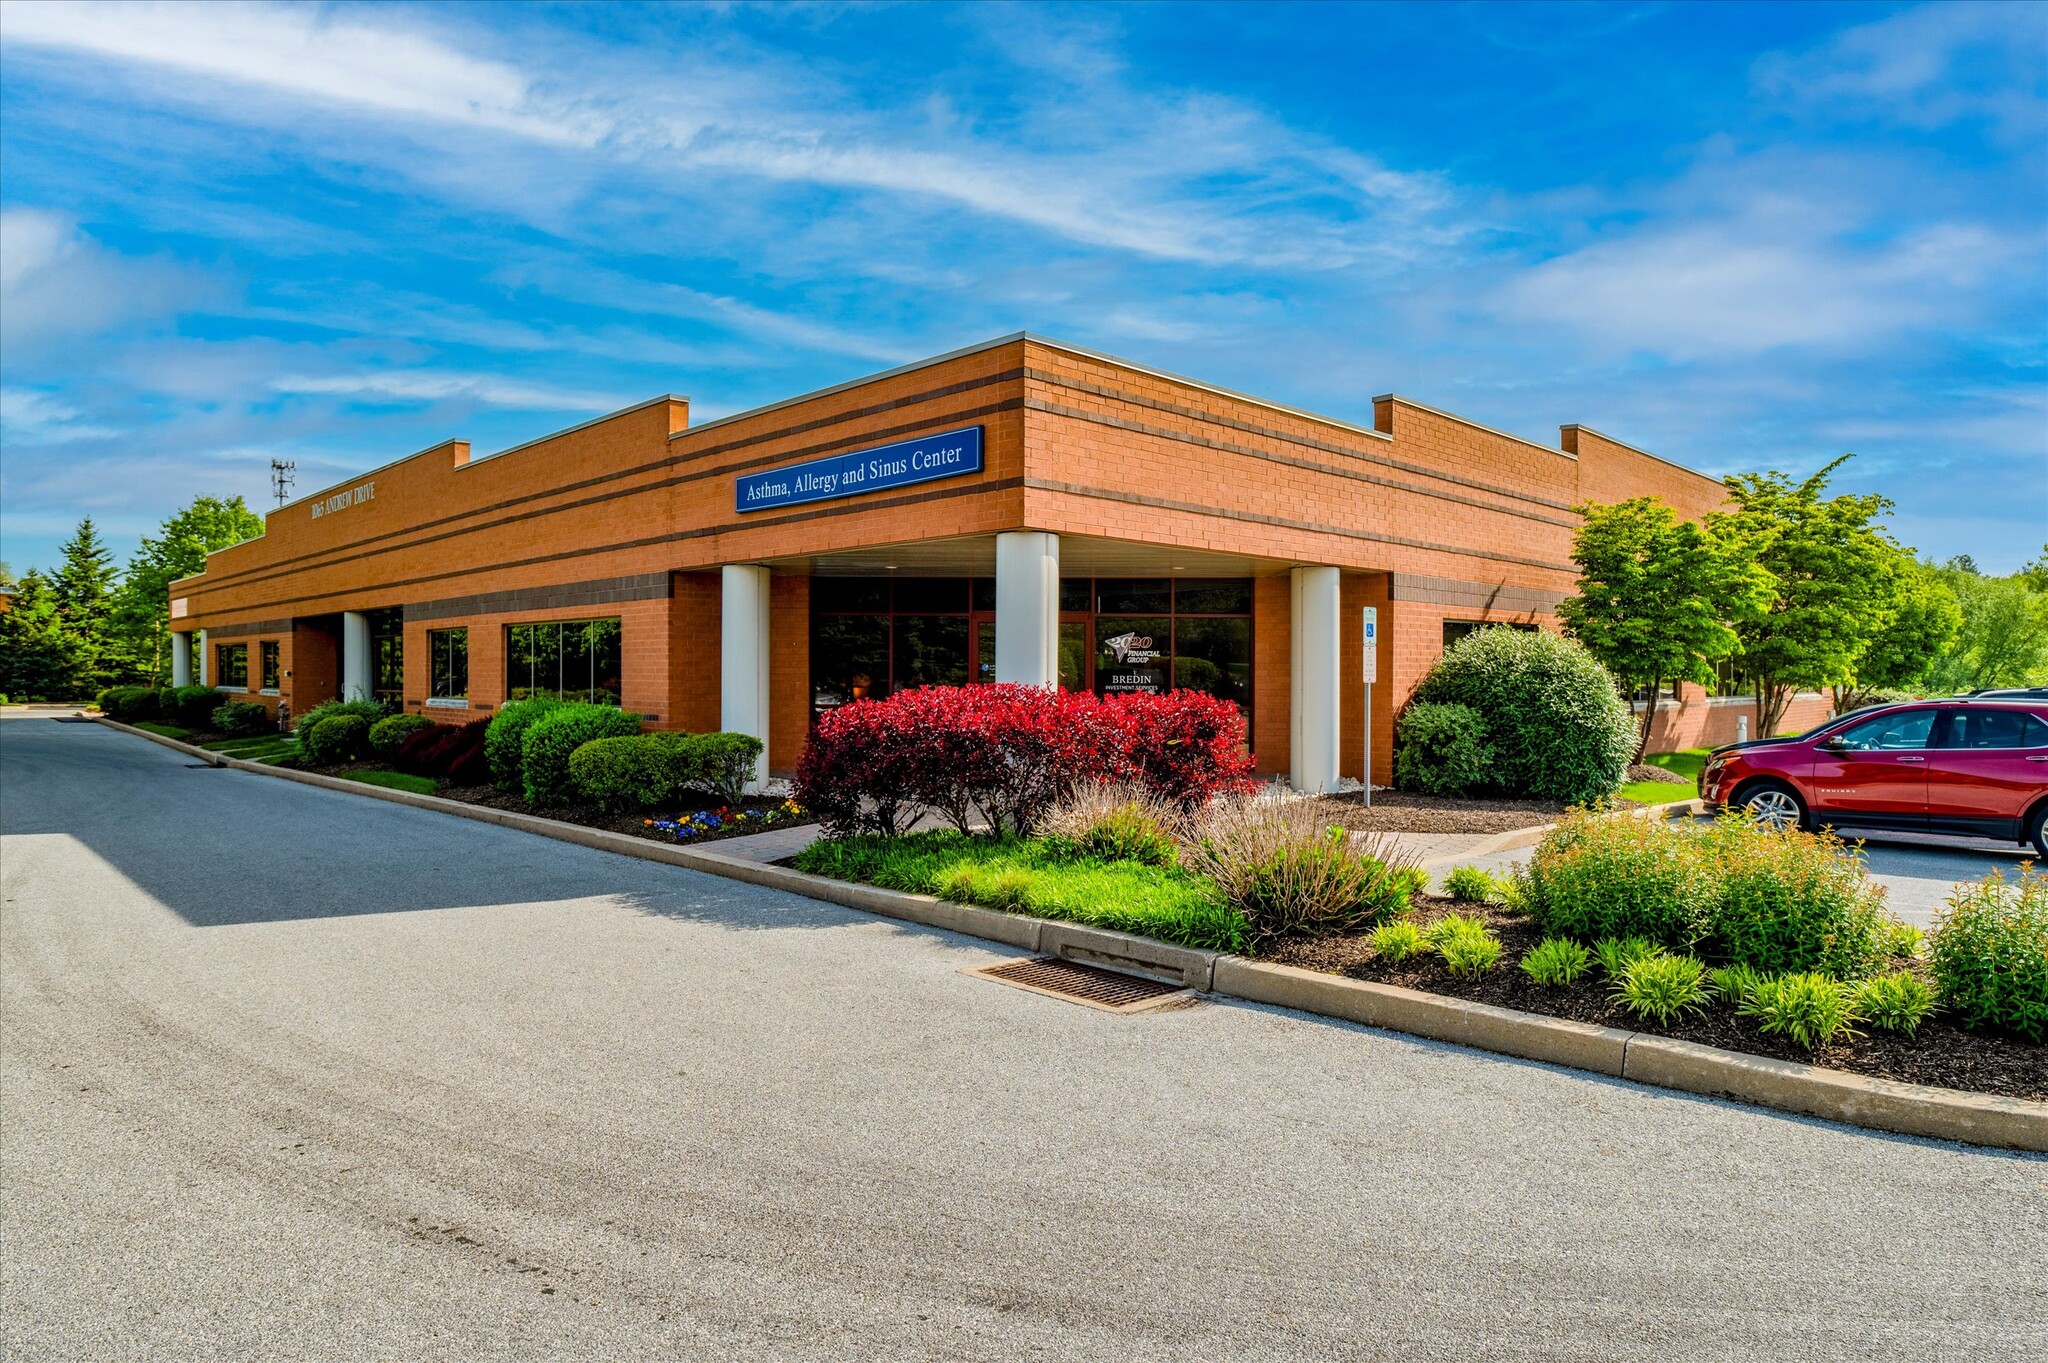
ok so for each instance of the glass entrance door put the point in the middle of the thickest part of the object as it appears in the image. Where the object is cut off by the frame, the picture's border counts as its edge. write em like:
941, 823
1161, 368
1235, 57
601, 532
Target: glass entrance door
1076, 653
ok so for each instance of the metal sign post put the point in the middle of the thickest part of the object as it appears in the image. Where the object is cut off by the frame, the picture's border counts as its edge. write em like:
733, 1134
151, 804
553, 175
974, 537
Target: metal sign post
1372, 672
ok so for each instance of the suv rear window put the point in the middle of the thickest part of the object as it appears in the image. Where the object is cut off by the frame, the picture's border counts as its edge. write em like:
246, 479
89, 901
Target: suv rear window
1989, 728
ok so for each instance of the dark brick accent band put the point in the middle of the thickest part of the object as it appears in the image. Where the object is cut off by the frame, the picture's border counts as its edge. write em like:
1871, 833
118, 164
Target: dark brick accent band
280, 627
569, 596
1480, 596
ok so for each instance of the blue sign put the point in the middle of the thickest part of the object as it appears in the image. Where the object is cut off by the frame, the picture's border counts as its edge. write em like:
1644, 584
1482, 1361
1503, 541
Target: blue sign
848, 475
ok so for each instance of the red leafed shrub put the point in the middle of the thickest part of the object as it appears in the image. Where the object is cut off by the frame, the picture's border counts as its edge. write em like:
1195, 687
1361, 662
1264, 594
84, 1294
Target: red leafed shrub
1008, 753
446, 751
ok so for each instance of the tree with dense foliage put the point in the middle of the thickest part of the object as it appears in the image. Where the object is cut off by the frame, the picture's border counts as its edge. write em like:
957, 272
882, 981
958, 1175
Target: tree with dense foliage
83, 592
179, 549
38, 655
2003, 637
1832, 568
1919, 621
1657, 598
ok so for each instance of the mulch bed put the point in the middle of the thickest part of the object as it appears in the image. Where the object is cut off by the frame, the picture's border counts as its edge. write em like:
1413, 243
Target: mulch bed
634, 824
1396, 811
1940, 1053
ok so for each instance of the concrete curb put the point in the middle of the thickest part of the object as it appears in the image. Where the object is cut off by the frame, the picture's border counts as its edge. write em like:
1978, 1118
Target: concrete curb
1808, 1090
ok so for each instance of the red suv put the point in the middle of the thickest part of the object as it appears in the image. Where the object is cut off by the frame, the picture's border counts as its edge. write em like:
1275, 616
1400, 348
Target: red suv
1970, 765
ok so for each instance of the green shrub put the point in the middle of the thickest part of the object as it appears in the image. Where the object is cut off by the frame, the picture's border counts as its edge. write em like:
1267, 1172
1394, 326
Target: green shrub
1903, 939
1989, 954
1558, 725
550, 741
1617, 954
1470, 885
1662, 988
1784, 900
130, 703
1556, 961
1441, 750
1468, 950
1449, 925
723, 764
1737, 983
504, 739
1397, 941
1809, 1009
1897, 1002
336, 739
633, 771
388, 735
1290, 875
192, 707
371, 710
242, 719
1596, 876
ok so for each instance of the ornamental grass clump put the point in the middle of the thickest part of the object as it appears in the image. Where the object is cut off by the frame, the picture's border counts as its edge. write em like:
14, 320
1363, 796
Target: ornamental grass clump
1662, 988
1113, 821
1395, 942
1897, 1002
1556, 962
1467, 947
1290, 874
1805, 1007
1735, 983
1989, 954
1786, 900
1470, 885
1595, 876
1617, 954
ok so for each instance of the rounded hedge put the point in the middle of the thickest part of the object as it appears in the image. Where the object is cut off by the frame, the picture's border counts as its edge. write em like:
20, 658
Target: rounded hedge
632, 771
370, 710
1558, 725
507, 733
130, 703
387, 735
1441, 750
192, 707
551, 740
336, 739
243, 719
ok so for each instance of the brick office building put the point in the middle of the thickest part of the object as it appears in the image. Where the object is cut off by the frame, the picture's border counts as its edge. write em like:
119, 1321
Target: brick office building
1020, 510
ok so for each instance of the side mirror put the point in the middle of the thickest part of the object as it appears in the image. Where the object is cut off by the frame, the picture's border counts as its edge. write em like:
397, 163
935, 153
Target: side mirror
1835, 743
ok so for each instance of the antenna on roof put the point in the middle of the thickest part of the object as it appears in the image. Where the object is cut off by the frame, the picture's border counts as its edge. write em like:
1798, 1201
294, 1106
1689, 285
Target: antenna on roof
284, 474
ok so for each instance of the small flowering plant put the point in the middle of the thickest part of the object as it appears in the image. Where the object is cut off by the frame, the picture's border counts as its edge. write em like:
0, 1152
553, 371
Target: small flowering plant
724, 818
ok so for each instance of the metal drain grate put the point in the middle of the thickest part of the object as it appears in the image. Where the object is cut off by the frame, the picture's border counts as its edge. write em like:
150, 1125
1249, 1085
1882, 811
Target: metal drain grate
1092, 985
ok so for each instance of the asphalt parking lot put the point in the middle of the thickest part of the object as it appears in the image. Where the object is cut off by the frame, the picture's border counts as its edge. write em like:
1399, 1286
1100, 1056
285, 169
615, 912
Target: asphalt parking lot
292, 1074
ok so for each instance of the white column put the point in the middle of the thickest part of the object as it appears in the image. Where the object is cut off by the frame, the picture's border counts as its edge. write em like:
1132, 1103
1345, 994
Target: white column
181, 657
205, 658
355, 656
1028, 607
1315, 656
743, 656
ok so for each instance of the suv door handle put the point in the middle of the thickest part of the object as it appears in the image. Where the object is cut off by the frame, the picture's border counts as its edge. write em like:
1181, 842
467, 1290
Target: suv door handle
1912, 759
2042, 758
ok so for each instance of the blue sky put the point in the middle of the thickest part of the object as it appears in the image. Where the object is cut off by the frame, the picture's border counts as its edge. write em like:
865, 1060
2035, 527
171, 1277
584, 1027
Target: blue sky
1738, 235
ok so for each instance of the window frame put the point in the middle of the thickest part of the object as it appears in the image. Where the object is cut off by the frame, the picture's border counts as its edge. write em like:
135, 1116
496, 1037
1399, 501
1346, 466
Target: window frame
221, 653
590, 693
441, 648
269, 667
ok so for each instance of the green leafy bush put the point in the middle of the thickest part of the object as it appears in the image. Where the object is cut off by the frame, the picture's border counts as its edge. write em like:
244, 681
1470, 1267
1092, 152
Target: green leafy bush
336, 739
371, 710
1784, 900
1470, 885
1278, 864
549, 742
1896, 1002
192, 706
1556, 962
1989, 954
723, 764
130, 703
388, 735
1554, 716
504, 738
1807, 1008
1397, 941
1441, 750
1468, 949
1735, 984
632, 771
1596, 876
1663, 988
1617, 954
242, 719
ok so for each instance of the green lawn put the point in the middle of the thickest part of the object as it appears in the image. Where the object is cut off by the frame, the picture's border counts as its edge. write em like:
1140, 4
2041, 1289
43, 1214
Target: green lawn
1687, 764
1021, 876
163, 730
395, 780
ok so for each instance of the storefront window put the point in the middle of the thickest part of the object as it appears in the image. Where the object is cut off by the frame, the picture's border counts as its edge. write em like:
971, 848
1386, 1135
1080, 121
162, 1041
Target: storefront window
266, 652
231, 666
387, 656
448, 661
1133, 653
575, 660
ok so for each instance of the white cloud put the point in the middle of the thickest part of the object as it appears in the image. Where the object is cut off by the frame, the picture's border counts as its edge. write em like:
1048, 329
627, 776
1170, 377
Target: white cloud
57, 282
415, 385
40, 419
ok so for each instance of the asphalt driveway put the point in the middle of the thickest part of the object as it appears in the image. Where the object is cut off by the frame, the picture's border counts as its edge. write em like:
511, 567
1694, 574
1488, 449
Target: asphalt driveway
293, 1074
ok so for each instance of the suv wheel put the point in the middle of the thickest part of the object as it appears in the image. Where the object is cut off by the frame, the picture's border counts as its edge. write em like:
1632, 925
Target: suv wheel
1773, 806
2038, 834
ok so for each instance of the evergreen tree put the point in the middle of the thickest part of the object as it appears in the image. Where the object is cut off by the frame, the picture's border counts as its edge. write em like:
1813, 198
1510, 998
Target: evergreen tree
83, 592
142, 613
38, 656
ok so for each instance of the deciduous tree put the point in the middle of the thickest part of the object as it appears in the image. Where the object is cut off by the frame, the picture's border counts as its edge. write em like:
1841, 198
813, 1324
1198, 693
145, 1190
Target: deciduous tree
178, 549
1919, 621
